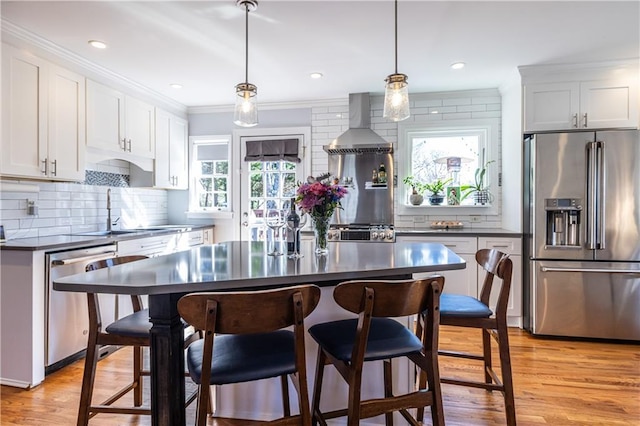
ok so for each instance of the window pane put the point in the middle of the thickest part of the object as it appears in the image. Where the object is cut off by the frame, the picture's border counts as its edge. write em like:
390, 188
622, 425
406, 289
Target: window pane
220, 184
273, 184
207, 167
206, 184
205, 200
255, 166
289, 187
220, 200
222, 167
256, 185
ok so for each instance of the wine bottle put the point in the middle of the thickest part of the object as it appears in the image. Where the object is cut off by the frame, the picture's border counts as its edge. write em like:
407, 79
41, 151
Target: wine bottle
293, 233
382, 174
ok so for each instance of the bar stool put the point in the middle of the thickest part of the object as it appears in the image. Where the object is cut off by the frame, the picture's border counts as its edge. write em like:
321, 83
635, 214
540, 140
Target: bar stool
466, 311
244, 341
131, 330
375, 335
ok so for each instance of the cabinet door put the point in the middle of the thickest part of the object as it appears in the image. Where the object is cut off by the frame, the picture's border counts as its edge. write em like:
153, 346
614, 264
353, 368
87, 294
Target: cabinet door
105, 118
608, 104
66, 125
24, 113
162, 174
140, 127
513, 247
551, 106
178, 153
459, 281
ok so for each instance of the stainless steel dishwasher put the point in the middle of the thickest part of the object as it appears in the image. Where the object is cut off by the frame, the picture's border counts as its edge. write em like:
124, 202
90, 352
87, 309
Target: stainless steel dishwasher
66, 316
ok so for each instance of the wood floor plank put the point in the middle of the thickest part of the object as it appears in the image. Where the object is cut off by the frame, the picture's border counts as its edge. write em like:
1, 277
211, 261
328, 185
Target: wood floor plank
557, 383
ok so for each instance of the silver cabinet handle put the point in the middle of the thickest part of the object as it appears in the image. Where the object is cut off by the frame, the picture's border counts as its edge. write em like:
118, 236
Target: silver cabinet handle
54, 165
45, 163
595, 270
129, 142
124, 144
585, 119
575, 120
105, 255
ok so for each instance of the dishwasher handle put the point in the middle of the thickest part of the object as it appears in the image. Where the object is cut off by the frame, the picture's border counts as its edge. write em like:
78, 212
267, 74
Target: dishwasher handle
93, 257
595, 270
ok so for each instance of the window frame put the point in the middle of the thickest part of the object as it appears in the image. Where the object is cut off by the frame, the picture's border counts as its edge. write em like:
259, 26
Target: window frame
406, 131
194, 210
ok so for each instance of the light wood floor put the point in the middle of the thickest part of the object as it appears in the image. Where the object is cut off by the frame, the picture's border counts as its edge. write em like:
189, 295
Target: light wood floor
557, 382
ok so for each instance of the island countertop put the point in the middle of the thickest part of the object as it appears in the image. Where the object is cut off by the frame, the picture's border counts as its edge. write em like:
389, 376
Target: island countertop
245, 265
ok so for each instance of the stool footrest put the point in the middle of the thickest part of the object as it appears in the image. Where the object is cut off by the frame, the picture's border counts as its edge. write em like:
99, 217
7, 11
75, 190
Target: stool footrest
461, 355
487, 386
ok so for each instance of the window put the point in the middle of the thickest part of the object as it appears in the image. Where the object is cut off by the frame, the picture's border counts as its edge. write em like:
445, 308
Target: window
210, 187
453, 153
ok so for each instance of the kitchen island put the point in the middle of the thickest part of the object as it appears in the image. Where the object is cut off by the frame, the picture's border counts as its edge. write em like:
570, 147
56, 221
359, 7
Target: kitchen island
240, 266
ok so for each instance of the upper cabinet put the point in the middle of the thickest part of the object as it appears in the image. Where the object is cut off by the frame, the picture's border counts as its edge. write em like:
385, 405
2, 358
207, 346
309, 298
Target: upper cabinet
171, 168
119, 123
43, 116
595, 99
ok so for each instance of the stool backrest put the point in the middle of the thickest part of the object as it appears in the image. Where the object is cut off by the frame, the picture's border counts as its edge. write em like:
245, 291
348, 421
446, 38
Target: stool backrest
107, 263
496, 264
249, 311
396, 298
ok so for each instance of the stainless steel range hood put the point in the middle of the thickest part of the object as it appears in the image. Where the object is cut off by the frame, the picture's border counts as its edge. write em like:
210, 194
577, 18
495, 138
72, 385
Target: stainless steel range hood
359, 138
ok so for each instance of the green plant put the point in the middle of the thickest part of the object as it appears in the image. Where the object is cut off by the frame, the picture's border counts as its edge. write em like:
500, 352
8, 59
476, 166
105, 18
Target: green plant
479, 181
416, 186
437, 186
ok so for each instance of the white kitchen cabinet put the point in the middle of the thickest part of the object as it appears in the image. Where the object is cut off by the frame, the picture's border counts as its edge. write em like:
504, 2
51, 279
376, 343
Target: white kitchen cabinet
512, 247
119, 123
207, 236
171, 167
571, 105
43, 116
459, 281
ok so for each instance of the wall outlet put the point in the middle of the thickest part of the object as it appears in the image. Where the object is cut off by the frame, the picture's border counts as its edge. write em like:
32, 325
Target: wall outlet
32, 208
475, 218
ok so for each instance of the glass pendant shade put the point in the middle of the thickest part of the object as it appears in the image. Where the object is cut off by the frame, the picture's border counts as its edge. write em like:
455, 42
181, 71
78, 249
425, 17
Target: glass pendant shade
396, 98
245, 112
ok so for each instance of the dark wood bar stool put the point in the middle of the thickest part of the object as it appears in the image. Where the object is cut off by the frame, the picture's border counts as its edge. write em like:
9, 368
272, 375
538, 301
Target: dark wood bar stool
374, 336
245, 340
131, 330
467, 311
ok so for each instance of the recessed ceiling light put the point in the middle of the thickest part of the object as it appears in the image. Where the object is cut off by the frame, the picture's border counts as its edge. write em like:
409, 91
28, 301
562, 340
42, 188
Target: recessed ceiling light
457, 65
315, 75
176, 85
98, 44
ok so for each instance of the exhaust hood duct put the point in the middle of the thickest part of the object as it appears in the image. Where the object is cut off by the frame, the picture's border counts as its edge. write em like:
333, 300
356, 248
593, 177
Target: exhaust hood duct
359, 138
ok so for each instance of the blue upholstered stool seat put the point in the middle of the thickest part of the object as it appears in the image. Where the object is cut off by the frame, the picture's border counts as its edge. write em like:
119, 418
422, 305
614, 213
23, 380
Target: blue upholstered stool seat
245, 357
457, 305
136, 324
387, 339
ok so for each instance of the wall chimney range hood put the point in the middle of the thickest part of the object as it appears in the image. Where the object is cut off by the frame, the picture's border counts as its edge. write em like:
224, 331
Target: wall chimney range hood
359, 139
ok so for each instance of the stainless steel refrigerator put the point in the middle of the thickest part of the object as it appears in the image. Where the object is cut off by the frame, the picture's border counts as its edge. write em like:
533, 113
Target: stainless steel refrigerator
582, 234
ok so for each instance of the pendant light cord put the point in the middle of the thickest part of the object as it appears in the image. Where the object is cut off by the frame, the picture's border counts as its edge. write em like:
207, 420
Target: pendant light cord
396, 34
246, 43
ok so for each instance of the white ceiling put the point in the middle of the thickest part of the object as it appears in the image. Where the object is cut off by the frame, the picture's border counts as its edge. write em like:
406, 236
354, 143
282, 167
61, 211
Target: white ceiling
200, 44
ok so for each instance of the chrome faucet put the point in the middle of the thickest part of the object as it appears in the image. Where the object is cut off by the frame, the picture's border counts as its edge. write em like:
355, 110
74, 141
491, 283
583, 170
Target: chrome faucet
109, 210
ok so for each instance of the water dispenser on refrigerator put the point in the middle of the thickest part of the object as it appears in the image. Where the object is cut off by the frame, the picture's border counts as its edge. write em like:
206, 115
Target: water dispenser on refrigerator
563, 222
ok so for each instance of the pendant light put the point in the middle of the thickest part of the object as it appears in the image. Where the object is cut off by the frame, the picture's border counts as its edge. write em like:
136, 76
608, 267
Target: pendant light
245, 113
396, 93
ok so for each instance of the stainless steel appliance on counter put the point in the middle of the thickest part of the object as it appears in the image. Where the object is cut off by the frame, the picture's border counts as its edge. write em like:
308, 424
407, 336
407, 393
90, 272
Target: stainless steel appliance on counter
354, 158
582, 234
67, 319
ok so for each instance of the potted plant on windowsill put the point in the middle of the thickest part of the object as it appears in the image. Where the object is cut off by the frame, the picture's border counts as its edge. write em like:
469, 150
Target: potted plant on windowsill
479, 188
417, 189
436, 188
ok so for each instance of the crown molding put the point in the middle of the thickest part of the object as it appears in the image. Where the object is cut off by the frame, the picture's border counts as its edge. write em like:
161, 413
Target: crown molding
21, 38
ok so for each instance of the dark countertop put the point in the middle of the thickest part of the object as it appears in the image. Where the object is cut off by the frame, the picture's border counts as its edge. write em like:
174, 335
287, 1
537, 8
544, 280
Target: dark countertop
65, 242
458, 232
245, 265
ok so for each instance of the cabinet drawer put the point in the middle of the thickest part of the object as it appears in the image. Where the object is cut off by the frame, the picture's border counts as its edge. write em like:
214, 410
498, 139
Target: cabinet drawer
151, 246
506, 245
459, 245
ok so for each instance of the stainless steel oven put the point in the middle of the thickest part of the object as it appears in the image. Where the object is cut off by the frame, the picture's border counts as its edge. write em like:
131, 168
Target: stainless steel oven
66, 316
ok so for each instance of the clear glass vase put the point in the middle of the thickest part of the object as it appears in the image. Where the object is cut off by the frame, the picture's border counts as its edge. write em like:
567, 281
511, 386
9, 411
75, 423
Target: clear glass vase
321, 233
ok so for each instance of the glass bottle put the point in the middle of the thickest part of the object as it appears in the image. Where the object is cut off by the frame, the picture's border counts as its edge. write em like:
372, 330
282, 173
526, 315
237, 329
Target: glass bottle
293, 231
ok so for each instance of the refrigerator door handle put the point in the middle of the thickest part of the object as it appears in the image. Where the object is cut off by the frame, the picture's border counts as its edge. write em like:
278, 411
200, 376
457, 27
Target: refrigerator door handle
591, 198
600, 195
593, 270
